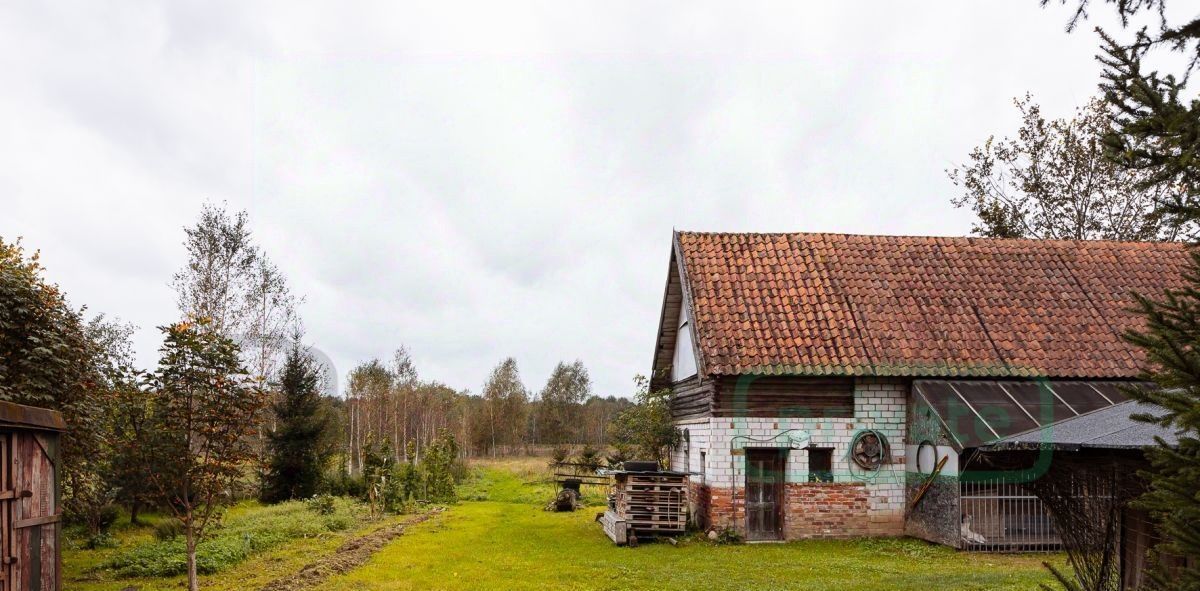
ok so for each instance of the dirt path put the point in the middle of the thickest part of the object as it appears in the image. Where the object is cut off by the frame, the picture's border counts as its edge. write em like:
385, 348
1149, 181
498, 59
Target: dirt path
352, 554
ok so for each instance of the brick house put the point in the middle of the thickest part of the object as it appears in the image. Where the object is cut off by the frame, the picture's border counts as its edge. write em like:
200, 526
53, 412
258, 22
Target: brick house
820, 379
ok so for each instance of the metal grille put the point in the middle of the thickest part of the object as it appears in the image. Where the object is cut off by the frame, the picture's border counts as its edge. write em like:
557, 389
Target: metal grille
999, 516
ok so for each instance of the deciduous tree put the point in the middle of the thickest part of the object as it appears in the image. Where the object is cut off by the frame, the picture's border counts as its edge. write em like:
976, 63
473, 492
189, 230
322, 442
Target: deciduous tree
205, 409
242, 293
506, 401
1156, 119
647, 427
51, 357
560, 403
1055, 180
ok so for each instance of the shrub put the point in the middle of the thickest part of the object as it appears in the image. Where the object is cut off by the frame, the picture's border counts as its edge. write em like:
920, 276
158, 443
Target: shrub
560, 453
338, 522
438, 466
589, 457
408, 478
109, 515
321, 504
101, 540
168, 529
621, 453
345, 485
727, 535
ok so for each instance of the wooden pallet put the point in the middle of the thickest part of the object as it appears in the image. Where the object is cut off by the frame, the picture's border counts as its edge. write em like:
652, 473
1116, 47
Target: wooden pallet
648, 504
615, 528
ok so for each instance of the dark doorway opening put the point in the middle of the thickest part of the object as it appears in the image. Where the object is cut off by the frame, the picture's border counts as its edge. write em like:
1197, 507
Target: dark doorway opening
764, 493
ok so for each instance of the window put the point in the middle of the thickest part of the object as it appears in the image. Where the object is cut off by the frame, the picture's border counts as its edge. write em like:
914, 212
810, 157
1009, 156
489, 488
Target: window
820, 464
702, 468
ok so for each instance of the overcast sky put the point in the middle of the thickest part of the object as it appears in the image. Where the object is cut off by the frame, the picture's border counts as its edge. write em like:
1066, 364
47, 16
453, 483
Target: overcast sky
499, 179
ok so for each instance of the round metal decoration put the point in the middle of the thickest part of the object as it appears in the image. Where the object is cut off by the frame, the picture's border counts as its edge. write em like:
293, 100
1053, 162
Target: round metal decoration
868, 450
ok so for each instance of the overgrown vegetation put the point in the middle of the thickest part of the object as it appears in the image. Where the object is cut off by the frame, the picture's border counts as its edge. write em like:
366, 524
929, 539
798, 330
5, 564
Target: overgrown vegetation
236, 540
646, 429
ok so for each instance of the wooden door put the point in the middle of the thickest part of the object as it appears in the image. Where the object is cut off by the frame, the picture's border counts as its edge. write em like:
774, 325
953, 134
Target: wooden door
764, 494
34, 513
6, 500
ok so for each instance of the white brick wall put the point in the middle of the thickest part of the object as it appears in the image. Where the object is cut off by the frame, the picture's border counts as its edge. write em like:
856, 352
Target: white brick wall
878, 404
698, 440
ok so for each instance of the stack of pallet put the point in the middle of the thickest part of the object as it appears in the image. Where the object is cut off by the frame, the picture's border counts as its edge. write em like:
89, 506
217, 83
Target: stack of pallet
646, 504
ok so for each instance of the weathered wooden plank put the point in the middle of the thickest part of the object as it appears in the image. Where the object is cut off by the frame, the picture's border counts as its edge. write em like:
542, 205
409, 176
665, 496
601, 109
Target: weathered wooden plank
35, 521
784, 396
32, 519
692, 398
615, 528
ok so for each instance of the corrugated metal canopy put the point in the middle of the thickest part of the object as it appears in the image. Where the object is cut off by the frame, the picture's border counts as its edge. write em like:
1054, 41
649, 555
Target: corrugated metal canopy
976, 413
1110, 428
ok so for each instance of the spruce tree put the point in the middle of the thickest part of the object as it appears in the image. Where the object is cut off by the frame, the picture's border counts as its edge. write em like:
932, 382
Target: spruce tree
298, 451
1171, 340
1155, 116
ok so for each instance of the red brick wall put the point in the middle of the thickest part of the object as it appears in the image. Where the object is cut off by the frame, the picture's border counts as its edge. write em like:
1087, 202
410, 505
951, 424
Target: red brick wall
725, 509
699, 501
811, 510
826, 510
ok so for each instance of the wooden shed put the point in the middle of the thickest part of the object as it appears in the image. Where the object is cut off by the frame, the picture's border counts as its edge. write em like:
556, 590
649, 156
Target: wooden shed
30, 514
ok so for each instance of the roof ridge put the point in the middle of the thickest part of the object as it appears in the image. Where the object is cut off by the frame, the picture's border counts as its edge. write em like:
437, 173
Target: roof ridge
981, 239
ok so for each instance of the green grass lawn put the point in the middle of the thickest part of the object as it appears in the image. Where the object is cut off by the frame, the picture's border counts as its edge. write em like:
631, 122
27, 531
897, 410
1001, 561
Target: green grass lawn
504, 540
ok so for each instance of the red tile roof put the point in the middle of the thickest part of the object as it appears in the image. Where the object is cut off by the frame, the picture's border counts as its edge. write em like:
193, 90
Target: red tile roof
836, 304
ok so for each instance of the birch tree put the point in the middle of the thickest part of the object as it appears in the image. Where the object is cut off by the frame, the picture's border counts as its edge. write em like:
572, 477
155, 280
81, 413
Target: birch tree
560, 404
505, 400
232, 283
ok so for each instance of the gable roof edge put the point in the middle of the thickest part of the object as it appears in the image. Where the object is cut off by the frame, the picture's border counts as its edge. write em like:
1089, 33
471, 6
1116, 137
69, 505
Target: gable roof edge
685, 286
660, 372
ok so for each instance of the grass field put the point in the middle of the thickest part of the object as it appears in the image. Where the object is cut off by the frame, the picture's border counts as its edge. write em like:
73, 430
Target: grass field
504, 540
498, 537
82, 569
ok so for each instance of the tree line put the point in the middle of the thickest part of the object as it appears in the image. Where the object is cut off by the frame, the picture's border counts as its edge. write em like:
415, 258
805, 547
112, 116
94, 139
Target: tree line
389, 402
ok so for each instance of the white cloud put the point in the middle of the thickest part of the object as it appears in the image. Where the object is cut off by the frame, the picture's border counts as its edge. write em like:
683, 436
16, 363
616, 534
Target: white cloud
478, 181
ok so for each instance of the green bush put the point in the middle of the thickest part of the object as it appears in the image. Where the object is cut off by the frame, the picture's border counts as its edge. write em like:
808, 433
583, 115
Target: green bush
101, 540
321, 505
339, 522
438, 467
256, 530
560, 453
168, 529
109, 515
342, 484
728, 535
